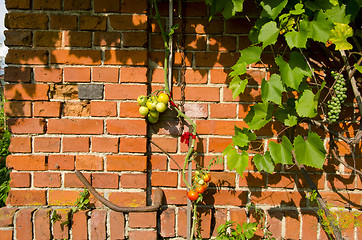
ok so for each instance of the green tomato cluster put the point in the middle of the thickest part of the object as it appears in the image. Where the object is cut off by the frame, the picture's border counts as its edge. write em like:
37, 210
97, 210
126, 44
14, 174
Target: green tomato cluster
152, 106
335, 104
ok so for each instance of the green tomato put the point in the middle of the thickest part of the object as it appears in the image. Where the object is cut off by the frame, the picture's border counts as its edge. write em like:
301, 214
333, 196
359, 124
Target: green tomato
154, 114
143, 110
151, 119
163, 97
151, 105
161, 107
141, 100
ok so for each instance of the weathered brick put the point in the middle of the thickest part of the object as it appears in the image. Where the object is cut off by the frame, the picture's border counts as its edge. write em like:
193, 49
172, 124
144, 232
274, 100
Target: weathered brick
17, 109
26, 92
62, 197
142, 219
98, 224
133, 145
17, 4
26, 20
60, 231
27, 56
17, 74
18, 38
77, 39
105, 74
63, 22
109, 39
79, 225
126, 163
19, 180
71, 57
47, 4
24, 226
20, 144
46, 109
105, 180
134, 180
47, 39
26, 162
116, 221
75, 126
72, 181
46, 144
76, 109
122, 92
48, 74
93, 23
128, 199
7, 216
47, 179
75, 144
79, 74
103, 109
131, 127
128, 22
168, 222
125, 57
42, 224
61, 162
135, 39
77, 5
88, 162
26, 197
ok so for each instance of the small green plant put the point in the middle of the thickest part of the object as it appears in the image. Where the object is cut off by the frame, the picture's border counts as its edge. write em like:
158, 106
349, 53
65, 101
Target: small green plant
233, 230
82, 202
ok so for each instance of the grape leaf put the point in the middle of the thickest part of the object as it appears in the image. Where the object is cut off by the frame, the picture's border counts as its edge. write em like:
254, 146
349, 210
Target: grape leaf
237, 161
228, 11
287, 115
259, 115
298, 9
317, 5
339, 35
298, 39
240, 139
282, 152
337, 14
310, 152
238, 5
268, 34
247, 56
272, 8
292, 73
264, 162
320, 27
237, 86
307, 103
272, 89
359, 68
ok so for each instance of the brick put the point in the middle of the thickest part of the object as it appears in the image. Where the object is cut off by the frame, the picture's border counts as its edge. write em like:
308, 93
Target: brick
129, 6
77, 57
196, 76
273, 198
17, 109
62, 197
116, 221
202, 26
218, 127
128, 199
135, 39
47, 4
6, 234
281, 180
47, 39
129, 110
64, 92
318, 180
106, 6
238, 26
103, 144
59, 231
250, 179
128, 22
26, 197
243, 110
90, 91
218, 144
32, 92
46, 144
220, 216
175, 196
219, 75
6, 216
292, 224
109, 39
17, 4
142, 219
42, 224
98, 224
168, 223
215, 59
134, 74
167, 144
103, 109
222, 43
26, 162
310, 225
223, 110
158, 162
123, 92
195, 42
76, 109
72, 181
88, 162
151, 235
19, 180
182, 223
77, 39
95, 23
77, 5
126, 57
223, 179
75, 144
342, 181
196, 110
48, 74
133, 145
79, 225
47, 179
26, 20
17, 74
165, 179
46, 109
63, 22
18, 38
134, 180
23, 223
131, 127
250, 95
26, 56
105, 180
75, 126
61, 162
126, 163
210, 94
79, 74
105, 74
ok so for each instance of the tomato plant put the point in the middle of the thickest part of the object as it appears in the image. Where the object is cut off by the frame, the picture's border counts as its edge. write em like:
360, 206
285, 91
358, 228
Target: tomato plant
192, 195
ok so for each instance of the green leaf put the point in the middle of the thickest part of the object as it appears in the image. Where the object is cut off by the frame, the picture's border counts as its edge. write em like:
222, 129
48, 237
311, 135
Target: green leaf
238, 69
307, 104
298, 39
320, 27
237, 86
282, 152
298, 9
287, 115
292, 73
242, 137
359, 68
317, 5
251, 54
228, 11
339, 35
238, 5
272, 8
269, 33
259, 115
310, 152
264, 162
237, 161
272, 90
337, 14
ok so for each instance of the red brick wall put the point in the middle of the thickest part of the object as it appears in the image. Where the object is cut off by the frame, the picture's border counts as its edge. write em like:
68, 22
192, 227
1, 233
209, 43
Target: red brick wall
57, 47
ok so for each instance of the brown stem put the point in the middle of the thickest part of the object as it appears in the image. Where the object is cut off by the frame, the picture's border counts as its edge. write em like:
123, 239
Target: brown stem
335, 155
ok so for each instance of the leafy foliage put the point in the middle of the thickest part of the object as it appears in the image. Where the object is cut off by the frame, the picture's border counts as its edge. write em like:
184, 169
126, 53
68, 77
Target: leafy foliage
233, 230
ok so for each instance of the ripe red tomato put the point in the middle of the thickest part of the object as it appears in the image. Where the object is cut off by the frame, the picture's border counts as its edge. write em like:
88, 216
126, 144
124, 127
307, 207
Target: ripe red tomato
207, 177
192, 195
201, 188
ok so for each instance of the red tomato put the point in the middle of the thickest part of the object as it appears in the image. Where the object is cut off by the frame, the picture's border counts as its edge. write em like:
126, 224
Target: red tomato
207, 177
192, 195
201, 188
